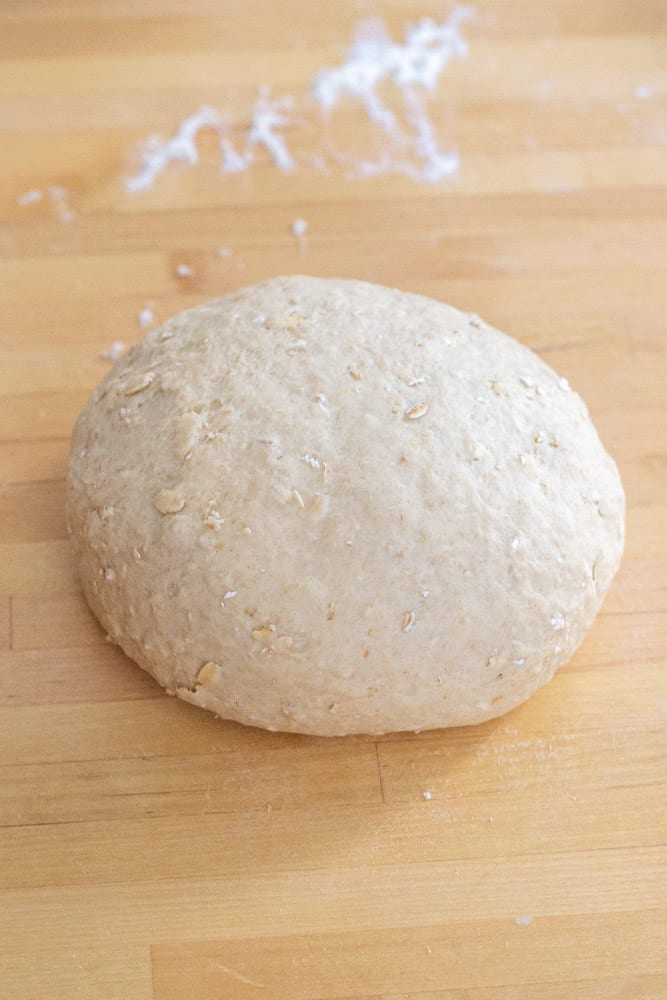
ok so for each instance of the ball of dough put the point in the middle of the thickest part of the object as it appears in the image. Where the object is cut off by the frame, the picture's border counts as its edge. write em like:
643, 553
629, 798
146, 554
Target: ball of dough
331, 507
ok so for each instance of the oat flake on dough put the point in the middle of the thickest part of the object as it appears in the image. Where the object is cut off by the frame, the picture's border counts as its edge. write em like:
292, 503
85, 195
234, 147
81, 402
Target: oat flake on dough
355, 465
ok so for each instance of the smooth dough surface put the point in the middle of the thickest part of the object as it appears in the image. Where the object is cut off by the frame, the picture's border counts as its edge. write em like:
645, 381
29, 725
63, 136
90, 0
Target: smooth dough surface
330, 507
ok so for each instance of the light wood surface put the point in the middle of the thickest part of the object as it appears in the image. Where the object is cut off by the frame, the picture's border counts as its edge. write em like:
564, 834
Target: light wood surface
148, 850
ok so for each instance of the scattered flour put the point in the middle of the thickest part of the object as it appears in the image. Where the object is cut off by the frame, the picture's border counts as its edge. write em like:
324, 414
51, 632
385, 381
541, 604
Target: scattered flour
376, 72
58, 196
523, 921
414, 67
184, 271
435, 164
417, 62
157, 153
267, 116
410, 69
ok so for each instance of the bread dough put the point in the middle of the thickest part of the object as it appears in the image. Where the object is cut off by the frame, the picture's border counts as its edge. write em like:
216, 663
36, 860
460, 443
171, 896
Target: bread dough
330, 507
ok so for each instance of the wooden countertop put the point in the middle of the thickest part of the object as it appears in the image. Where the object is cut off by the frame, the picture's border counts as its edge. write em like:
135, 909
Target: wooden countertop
148, 850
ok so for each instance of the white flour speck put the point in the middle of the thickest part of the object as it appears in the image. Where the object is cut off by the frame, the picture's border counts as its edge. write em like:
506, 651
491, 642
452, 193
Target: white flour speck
298, 228
113, 352
523, 921
426, 795
643, 91
145, 317
233, 162
59, 197
184, 271
30, 197
224, 252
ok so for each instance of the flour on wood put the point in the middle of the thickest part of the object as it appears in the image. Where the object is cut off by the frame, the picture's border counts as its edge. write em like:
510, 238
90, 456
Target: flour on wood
411, 68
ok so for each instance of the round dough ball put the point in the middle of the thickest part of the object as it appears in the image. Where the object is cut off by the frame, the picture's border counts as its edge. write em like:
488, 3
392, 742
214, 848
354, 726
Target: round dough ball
330, 507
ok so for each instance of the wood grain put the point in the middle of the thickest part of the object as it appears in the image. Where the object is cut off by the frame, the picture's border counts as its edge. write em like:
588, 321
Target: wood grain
203, 843
596, 884
49, 622
5, 623
115, 974
417, 959
149, 850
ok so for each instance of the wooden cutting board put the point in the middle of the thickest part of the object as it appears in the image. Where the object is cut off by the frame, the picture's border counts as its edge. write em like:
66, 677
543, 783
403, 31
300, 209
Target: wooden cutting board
148, 850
